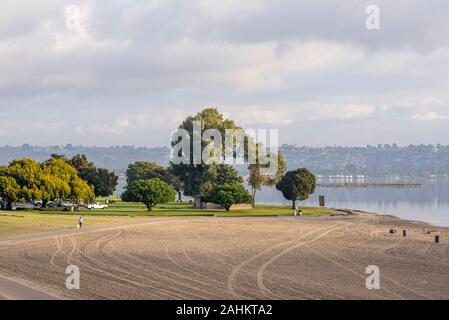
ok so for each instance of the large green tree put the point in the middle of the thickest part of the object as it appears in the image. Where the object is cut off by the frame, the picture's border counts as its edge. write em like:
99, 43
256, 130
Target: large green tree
53, 188
226, 173
80, 161
227, 195
297, 185
60, 180
103, 180
81, 191
9, 189
198, 179
26, 173
142, 170
150, 192
55, 179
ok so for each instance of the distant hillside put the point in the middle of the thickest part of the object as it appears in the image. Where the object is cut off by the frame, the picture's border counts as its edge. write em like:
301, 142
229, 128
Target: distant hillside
413, 160
116, 158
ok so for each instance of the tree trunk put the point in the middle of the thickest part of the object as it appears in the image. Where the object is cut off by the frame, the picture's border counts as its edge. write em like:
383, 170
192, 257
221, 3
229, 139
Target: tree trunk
253, 203
227, 208
294, 204
150, 207
44, 203
9, 205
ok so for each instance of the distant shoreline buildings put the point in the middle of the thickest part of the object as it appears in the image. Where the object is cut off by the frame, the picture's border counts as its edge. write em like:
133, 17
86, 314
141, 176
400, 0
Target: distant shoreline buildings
333, 163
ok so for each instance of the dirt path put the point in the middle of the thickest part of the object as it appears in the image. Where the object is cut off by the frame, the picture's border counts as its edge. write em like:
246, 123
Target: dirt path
13, 290
235, 258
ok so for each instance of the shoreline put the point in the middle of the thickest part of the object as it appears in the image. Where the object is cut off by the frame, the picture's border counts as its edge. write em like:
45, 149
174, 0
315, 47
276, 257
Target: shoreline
136, 220
407, 221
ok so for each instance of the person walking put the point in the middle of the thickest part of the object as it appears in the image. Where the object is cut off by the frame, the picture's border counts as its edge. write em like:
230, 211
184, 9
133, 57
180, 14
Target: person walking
81, 221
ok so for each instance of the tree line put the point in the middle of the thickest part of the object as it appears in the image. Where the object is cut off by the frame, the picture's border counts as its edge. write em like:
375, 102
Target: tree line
77, 179
57, 179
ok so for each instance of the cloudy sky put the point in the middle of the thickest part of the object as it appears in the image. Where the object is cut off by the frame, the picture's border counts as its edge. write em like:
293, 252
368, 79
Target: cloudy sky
127, 71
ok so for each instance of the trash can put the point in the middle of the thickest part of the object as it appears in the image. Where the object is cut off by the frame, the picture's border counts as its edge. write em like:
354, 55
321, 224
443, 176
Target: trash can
322, 201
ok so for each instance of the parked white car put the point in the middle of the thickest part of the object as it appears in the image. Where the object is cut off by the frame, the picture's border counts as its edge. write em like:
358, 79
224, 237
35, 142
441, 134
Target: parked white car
97, 205
38, 204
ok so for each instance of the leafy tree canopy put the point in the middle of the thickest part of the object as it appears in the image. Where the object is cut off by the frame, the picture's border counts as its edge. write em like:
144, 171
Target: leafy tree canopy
80, 162
26, 179
227, 195
297, 185
198, 179
9, 189
103, 180
227, 174
142, 170
150, 192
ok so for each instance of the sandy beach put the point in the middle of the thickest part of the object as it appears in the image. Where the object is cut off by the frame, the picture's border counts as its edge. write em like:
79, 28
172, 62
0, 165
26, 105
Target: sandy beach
235, 258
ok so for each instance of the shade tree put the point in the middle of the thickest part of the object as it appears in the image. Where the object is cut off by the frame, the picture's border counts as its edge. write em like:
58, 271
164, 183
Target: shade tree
9, 190
142, 170
103, 180
297, 185
27, 180
198, 179
150, 192
227, 195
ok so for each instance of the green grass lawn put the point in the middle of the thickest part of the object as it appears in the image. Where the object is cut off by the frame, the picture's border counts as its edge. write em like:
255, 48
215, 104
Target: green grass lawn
19, 222
186, 209
33, 221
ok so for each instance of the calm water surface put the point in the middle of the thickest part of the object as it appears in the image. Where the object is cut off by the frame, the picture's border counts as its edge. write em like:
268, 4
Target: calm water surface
430, 203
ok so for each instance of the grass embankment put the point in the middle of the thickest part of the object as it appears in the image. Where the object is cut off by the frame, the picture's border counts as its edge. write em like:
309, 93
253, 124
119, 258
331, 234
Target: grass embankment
33, 221
186, 209
19, 222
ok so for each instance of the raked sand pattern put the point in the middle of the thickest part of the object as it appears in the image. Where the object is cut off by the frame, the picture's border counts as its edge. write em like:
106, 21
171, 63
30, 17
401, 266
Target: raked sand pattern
236, 258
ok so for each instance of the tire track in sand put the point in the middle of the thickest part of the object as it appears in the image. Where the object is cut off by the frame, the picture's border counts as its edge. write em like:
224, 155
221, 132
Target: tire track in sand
260, 274
236, 270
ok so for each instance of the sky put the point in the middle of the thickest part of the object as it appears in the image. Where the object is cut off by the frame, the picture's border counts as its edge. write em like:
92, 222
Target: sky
127, 72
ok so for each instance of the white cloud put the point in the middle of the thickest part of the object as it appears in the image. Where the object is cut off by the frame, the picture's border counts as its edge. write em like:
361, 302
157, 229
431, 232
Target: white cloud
253, 116
131, 122
101, 126
429, 116
228, 8
356, 111
339, 111
137, 68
